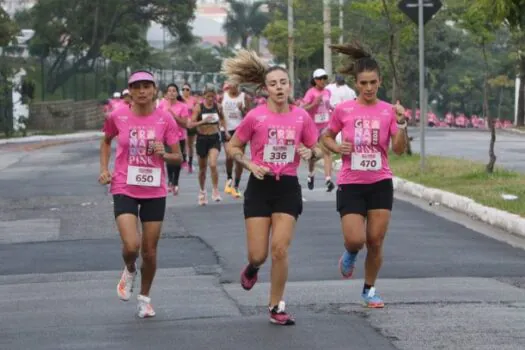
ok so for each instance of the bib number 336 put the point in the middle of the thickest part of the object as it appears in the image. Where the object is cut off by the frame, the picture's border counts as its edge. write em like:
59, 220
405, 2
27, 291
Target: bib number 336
143, 176
366, 161
279, 154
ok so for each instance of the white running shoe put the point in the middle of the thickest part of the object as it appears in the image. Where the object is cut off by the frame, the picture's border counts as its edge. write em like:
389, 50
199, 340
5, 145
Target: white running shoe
144, 308
126, 283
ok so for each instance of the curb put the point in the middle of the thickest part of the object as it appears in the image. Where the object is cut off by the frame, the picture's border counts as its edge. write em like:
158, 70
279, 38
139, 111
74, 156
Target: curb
509, 222
62, 137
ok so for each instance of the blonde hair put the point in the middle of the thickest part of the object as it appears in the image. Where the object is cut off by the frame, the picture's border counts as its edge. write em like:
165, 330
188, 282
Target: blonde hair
246, 68
360, 59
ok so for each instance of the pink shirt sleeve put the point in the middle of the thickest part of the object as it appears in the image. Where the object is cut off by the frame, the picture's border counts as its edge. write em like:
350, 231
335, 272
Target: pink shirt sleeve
245, 130
109, 128
310, 134
308, 97
336, 125
171, 135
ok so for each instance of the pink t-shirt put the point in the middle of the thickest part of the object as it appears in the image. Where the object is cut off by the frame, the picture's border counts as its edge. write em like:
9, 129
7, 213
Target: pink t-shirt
181, 110
369, 129
139, 173
320, 113
274, 138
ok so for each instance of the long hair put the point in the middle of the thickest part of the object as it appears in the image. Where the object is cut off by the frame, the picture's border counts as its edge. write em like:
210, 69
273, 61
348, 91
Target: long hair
179, 97
360, 59
246, 68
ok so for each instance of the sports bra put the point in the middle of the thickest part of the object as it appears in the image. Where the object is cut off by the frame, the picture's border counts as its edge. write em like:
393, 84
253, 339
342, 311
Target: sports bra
206, 112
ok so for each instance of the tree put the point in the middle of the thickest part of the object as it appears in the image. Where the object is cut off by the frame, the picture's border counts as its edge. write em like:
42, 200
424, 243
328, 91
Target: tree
512, 14
73, 42
8, 28
244, 21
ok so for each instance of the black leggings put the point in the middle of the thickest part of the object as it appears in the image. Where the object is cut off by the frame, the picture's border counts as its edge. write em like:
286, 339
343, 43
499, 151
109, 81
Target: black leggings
174, 169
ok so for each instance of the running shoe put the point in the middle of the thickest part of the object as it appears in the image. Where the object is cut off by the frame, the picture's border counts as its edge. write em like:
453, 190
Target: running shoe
236, 193
215, 195
228, 189
126, 283
203, 198
372, 300
279, 316
247, 283
347, 264
329, 185
310, 182
144, 308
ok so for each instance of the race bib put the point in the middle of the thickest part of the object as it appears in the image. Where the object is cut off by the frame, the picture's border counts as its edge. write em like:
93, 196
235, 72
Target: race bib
215, 117
142, 176
321, 118
366, 161
279, 154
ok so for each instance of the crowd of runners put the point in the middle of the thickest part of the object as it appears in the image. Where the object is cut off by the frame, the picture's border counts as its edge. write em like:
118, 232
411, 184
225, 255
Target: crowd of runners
265, 135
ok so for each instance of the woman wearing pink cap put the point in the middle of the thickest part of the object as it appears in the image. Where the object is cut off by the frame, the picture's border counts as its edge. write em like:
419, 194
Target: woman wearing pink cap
138, 181
317, 102
279, 135
365, 191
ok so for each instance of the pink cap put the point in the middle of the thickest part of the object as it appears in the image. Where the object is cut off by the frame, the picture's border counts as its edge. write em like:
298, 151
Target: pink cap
141, 76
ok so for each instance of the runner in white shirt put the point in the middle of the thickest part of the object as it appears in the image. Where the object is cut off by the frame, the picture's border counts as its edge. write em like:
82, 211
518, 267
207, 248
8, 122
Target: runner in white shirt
340, 91
234, 105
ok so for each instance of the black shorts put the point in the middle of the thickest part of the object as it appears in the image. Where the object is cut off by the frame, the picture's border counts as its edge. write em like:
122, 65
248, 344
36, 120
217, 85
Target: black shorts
150, 209
223, 135
360, 198
192, 132
205, 143
264, 197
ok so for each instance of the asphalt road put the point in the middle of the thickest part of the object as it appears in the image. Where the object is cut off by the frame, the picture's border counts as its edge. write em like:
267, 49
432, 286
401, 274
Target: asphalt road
446, 285
474, 145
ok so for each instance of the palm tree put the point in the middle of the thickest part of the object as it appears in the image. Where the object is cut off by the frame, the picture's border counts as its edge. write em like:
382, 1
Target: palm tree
244, 20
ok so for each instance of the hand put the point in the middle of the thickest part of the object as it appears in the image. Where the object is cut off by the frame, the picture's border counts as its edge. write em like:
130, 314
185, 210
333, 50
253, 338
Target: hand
400, 113
159, 149
104, 177
227, 136
209, 119
258, 171
345, 148
305, 153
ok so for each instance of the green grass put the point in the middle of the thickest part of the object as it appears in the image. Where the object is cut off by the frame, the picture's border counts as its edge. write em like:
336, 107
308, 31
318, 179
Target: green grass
466, 178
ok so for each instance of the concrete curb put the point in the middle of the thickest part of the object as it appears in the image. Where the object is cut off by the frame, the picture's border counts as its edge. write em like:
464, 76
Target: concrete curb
511, 223
62, 137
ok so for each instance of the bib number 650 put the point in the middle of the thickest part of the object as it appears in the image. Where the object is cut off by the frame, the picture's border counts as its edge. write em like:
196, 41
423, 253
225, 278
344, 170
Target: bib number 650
144, 178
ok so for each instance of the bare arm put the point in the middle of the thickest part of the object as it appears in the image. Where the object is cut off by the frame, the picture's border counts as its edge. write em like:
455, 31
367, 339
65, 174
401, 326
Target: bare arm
183, 122
193, 123
399, 140
235, 149
105, 153
175, 156
328, 140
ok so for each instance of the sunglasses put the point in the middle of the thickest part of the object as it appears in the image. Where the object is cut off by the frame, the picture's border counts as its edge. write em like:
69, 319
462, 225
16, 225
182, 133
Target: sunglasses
324, 77
185, 89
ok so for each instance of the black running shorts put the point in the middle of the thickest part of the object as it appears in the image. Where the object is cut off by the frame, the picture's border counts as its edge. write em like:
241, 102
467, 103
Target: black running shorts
205, 143
360, 198
223, 135
264, 197
151, 209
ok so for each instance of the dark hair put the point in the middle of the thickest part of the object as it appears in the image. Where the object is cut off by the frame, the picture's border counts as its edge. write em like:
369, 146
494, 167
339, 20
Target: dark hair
248, 68
186, 84
179, 97
360, 59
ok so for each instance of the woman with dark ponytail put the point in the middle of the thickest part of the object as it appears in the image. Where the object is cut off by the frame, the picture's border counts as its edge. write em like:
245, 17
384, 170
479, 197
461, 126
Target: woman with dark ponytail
365, 190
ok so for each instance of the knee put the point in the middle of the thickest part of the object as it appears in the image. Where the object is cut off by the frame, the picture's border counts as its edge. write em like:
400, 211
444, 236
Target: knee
375, 243
257, 258
131, 248
279, 252
354, 242
213, 166
202, 171
149, 255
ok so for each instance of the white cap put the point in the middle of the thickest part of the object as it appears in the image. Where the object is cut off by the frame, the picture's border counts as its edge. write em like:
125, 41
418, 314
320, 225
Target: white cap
320, 72
125, 92
116, 95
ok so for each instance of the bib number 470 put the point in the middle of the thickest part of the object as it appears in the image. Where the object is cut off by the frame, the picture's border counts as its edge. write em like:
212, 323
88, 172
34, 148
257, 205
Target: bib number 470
368, 163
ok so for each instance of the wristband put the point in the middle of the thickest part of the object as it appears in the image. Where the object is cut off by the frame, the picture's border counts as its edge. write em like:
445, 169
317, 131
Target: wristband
402, 125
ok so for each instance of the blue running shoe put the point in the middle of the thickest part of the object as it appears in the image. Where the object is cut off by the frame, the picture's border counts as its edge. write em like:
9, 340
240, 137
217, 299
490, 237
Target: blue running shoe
372, 300
347, 264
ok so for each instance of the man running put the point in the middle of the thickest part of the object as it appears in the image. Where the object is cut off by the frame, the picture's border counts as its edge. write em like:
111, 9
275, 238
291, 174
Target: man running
279, 135
138, 182
365, 191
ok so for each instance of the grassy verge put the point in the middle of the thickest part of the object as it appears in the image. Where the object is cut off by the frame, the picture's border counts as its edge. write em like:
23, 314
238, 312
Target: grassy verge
466, 178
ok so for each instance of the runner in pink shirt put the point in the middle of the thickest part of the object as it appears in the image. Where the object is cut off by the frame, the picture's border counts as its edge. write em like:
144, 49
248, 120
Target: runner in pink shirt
365, 190
190, 101
174, 104
138, 181
280, 135
317, 103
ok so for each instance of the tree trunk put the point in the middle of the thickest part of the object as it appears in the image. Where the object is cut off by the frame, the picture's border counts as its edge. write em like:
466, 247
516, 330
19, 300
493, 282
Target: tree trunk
486, 112
521, 98
500, 101
244, 41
